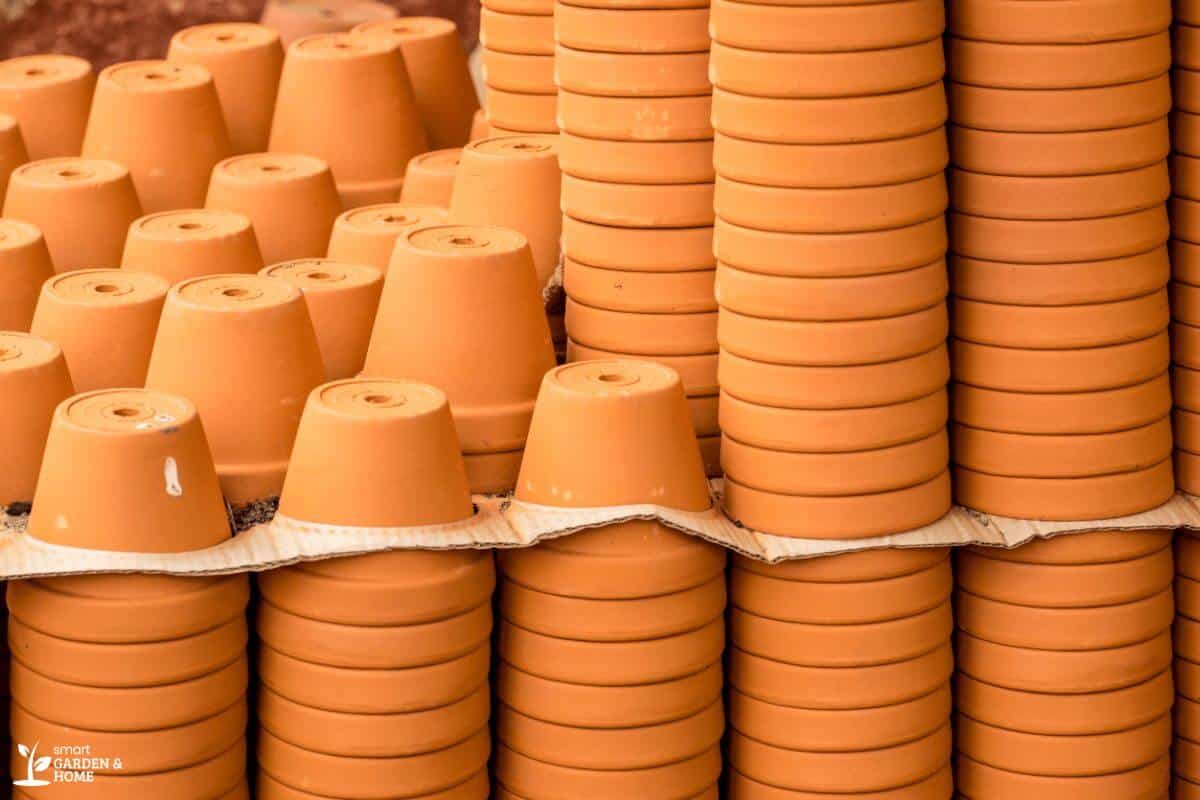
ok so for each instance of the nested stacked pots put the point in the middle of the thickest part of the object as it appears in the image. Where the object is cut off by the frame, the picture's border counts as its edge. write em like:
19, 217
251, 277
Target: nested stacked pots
374, 669
609, 680
517, 43
1059, 187
830, 243
1185, 246
839, 676
1064, 682
1186, 751
636, 156
142, 677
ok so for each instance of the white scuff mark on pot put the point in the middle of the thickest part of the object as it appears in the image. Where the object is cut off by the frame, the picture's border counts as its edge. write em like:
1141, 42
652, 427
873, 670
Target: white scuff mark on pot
171, 473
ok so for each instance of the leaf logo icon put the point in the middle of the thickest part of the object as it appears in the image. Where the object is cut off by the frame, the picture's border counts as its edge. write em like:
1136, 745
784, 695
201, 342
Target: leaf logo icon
33, 766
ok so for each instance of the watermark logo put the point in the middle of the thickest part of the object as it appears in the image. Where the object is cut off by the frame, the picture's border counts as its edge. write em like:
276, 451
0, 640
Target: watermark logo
33, 765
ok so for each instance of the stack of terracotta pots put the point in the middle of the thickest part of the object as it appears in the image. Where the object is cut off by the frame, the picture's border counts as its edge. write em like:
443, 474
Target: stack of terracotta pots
839, 676
1185, 246
609, 682
636, 156
138, 679
1064, 656
830, 242
374, 669
1059, 186
517, 41
1186, 751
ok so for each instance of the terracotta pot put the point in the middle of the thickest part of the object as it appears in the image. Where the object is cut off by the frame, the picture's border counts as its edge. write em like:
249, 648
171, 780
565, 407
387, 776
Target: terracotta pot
368, 235
245, 60
834, 387
1060, 371
698, 372
1185, 82
1065, 714
477, 787
1077, 413
658, 119
798, 686
295, 19
638, 205
163, 121
857, 566
1097, 497
1058, 456
513, 182
291, 199
642, 292
429, 179
1055, 66
515, 113
824, 27
839, 120
83, 207
524, 73
179, 245
1065, 284
1187, 393
34, 374
642, 334
1184, 219
508, 331
12, 149
479, 126
251, 432
1076, 585
437, 66
1059, 110
529, 778
1058, 22
50, 95
1063, 326
113, 432
977, 778
639, 249
632, 74
341, 299
830, 255
636, 162
24, 266
1184, 132
124, 305
939, 784
347, 100
522, 32
374, 691
151, 608
1065, 198
608, 707
660, 29
417, 775
1050, 154
1185, 176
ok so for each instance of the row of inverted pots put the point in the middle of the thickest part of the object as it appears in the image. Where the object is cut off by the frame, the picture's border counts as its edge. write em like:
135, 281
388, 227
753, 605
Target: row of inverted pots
171, 121
1064, 667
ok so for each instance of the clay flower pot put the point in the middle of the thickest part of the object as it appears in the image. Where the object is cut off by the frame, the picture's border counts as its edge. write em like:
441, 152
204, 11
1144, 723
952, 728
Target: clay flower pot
424, 293
441, 79
1053, 110
1076, 197
163, 121
295, 19
1063, 153
342, 300
245, 61
24, 266
105, 449
531, 73
50, 96
12, 149
637, 30
368, 235
527, 168
429, 179
636, 162
1059, 22
34, 374
631, 119
83, 207
203, 349
291, 200
1072, 283
620, 74
641, 249
179, 245
105, 320
824, 28
694, 778
347, 99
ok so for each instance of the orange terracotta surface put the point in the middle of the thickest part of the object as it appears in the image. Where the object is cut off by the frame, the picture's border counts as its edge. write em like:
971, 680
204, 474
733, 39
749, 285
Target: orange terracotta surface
1059, 371
526, 777
245, 60
643, 292
1097, 497
857, 566
123, 306
822, 27
437, 67
1184, 132
24, 266
698, 372
163, 121
342, 300
937, 786
1065, 284
192, 243
517, 72
347, 99
1055, 66
641, 249
631, 74
1061, 327
429, 179
636, 162
1078, 153
639, 4
659, 119
295, 19
479, 126
1058, 22
368, 235
1041, 241
513, 113
1185, 81
516, 33
1186, 428
642, 334
1184, 219
1150, 780
34, 375
513, 182
12, 149
1184, 41
477, 787
1071, 413
50, 95
1185, 176
1066, 198
1075, 585
1186, 394
1055, 110
82, 206
632, 30
291, 199
251, 431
